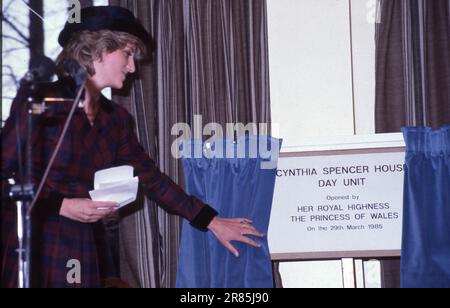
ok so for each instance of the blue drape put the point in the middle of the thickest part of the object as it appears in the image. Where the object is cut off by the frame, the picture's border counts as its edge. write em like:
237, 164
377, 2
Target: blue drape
235, 187
426, 228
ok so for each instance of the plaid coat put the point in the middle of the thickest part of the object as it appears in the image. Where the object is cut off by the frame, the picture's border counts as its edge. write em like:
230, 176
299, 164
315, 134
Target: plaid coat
110, 142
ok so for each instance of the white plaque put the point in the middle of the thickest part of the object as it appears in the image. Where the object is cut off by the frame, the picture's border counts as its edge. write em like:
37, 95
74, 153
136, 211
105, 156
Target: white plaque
338, 204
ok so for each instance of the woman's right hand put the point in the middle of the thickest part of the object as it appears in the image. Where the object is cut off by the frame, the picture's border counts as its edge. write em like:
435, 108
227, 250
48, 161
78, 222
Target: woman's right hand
86, 210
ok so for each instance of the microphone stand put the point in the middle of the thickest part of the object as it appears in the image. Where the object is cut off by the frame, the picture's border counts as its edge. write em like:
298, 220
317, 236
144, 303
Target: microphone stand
23, 194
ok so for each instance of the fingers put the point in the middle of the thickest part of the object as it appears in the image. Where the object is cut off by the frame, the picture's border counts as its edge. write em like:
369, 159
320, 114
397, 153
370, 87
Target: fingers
250, 242
232, 249
242, 239
242, 221
246, 221
86, 210
99, 210
96, 215
236, 229
250, 230
100, 205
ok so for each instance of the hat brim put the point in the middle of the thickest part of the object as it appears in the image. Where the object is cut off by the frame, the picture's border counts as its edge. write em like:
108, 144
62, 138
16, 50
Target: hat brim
104, 23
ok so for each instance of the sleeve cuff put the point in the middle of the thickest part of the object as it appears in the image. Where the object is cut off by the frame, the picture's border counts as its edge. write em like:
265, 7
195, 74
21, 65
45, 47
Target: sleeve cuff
203, 219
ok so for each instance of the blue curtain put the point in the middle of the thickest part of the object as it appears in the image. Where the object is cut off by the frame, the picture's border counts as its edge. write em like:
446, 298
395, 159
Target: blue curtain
240, 186
426, 228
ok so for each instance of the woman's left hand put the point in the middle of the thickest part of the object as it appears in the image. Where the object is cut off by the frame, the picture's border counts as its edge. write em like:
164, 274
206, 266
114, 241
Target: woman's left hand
227, 230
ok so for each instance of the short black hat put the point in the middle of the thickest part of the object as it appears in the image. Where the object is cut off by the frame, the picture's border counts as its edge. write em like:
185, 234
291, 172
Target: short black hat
114, 18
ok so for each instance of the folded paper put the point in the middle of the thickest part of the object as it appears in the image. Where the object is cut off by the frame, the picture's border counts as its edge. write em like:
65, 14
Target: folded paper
116, 185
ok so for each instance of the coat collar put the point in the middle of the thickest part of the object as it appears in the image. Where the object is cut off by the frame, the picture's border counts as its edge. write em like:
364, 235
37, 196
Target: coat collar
69, 89
106, 105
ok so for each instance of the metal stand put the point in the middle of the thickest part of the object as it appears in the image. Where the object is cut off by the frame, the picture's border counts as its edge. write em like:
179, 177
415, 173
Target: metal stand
348, 273
24, 244
23, 195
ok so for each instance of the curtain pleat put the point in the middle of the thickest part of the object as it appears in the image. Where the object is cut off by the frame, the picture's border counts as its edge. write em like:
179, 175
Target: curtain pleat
210, 59
228, 40
426, 241
236, 186
412, 75
412, 64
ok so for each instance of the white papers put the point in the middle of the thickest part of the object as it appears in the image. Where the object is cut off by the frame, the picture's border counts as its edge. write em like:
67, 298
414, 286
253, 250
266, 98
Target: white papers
116, 185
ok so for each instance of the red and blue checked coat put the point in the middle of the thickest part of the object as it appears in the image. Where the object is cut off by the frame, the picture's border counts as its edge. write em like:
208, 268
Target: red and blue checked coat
109, 142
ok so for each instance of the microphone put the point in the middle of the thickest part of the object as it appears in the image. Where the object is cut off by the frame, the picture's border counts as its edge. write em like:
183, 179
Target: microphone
76, 71
41, 69
44, 100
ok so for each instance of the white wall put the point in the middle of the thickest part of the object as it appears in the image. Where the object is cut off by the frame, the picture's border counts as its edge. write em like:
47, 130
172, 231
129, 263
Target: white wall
322, 71
363, 49
310, 68
322, 63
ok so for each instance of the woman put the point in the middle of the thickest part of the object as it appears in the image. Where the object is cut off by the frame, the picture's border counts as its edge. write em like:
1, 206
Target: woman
66, 222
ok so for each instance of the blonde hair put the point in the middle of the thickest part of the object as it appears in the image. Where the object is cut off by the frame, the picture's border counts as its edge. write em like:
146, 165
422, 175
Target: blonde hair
88, 46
